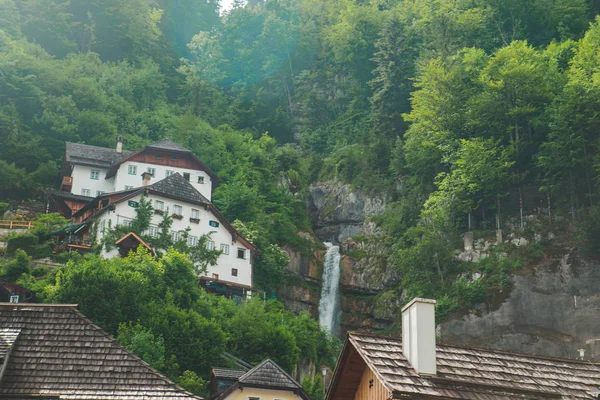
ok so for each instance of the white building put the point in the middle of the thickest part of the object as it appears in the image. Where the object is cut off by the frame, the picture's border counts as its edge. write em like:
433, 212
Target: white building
174, 180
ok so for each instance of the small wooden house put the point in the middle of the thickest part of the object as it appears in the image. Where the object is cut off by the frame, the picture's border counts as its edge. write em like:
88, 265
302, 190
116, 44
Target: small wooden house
383, 368
266, 381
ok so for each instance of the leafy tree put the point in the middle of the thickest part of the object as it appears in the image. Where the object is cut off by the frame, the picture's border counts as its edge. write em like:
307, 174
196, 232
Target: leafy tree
142, 342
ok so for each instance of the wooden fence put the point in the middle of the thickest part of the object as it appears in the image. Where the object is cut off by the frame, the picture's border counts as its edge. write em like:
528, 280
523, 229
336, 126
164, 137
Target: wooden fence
5, 224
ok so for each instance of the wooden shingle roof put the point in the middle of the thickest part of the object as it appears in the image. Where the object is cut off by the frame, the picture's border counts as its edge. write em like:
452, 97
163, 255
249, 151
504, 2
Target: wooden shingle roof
476, 374
227, 373
78, 153
60, 353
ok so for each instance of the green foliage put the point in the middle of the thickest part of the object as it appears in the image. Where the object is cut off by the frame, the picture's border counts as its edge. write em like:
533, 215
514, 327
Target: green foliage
191, 382
21, 242
13, 269
142, 342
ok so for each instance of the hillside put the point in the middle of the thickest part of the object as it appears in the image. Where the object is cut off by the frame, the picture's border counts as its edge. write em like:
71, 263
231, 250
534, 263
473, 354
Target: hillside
394, 128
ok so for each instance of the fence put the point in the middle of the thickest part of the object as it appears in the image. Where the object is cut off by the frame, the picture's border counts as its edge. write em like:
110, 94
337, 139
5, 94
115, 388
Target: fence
5, 224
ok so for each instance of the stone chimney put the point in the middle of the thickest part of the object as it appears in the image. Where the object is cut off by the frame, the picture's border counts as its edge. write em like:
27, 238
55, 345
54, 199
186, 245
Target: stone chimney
418, 335
146, 176
119, 144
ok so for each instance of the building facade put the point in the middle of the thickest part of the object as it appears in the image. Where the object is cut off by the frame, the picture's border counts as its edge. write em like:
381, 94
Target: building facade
102, 189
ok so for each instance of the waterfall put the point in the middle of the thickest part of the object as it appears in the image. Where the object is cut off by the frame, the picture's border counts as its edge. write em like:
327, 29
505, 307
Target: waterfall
329, 292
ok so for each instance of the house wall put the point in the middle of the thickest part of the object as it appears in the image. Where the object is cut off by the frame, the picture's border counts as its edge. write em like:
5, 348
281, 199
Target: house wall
122, 177
123, 212
82, 180
263, 394
376, 391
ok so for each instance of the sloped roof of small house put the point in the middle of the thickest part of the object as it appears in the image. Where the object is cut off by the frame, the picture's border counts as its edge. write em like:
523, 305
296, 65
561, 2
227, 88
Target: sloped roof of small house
176, 186
266, 375
60, 353
78, 153
227, 373
168, 144
463, 373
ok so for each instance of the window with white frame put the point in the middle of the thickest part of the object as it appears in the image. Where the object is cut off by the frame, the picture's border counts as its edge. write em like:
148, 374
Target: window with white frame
195, 214
102, 225
169, 172
152, 171
95, 174
159, 205
200, 179
225, 249
86, 192
153, 231
192, 241
210, 245
241, 253
132, 169
100, 192
177, 209
175, 236
126, 222
128, 187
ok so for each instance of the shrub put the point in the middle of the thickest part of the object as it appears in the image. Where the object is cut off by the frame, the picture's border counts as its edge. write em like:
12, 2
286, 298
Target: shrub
22, 241
13, 269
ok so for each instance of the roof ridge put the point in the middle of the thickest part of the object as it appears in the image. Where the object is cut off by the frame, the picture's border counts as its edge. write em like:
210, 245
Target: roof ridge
262, 364
49, 305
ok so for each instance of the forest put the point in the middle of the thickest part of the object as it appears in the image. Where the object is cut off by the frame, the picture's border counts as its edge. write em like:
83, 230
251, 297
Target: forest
453, 110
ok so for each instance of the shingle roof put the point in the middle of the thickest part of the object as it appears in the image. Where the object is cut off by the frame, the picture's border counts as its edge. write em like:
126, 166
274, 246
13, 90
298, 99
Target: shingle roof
78, 153
168, 144
175, 186
7, 339
267, 373
467, 373
60, 353
227, 373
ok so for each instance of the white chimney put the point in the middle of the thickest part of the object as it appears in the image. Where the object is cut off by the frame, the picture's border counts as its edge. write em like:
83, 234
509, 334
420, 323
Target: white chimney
146, 176
418, 335
119, 144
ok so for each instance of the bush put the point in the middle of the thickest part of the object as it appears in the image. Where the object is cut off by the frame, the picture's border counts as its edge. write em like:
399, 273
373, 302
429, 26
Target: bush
3, 208
13, 269
22, 241
592, 229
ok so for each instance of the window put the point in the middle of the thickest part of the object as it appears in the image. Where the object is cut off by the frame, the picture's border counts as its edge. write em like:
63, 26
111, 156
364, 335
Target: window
214, 224
128, 187
241, 253
132, 169
210, 245
186, 176
159, 205
86, 192
225, 249
233, 271
152, 171
175, 236
200, 179
195, 213
173, 158
177, 209
253, 398
126, 222
95, 174
153, 231
192, 241
100, 192
169, 173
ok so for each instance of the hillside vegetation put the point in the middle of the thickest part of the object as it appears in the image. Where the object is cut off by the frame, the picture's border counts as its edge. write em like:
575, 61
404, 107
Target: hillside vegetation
453, 110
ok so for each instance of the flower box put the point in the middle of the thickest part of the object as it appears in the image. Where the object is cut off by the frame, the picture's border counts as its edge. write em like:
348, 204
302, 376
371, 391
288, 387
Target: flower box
195, 220
177, 216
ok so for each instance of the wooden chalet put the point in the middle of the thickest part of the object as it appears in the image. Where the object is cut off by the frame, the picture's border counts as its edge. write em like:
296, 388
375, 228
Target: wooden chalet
52, 352
130, 242
265, 381
382, 368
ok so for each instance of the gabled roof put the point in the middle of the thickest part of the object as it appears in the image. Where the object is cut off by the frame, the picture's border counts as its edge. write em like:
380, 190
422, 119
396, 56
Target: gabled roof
131, 236
175, 186
227, 373
85, 154
266, 375
164, 145
465, 373
60, 353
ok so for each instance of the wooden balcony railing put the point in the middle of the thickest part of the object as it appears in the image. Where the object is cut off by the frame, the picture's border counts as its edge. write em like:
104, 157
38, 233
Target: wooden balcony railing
67, 183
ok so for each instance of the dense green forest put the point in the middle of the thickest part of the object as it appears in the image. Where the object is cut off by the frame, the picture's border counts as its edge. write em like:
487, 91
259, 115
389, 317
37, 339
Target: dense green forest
447, 108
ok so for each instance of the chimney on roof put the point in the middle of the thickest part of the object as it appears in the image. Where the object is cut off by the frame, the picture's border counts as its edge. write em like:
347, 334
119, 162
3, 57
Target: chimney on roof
119, 144
146, 176
418, 335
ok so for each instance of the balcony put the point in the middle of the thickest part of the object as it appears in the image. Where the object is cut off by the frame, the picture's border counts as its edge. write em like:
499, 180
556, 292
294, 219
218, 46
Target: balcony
67, 184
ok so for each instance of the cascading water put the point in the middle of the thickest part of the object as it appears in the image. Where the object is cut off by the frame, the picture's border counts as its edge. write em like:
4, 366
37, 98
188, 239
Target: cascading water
329, 292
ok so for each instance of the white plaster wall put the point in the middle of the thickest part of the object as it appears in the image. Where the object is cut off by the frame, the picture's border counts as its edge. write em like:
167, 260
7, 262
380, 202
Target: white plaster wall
123, 178
81, 180
220, 235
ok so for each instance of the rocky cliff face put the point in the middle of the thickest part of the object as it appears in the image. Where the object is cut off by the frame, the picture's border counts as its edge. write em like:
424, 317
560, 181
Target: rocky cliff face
553, 309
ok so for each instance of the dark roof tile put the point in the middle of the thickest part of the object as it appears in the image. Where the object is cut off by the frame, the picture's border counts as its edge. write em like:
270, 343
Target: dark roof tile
226, 373
78, 153
268, 373
168, 144
175, 186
